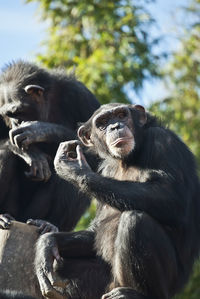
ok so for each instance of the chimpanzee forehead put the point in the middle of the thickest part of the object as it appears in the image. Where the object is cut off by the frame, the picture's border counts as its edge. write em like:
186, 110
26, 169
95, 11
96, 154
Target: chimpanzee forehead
108, 109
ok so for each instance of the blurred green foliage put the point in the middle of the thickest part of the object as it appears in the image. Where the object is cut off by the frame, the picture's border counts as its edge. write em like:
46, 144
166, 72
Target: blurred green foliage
87, 217
107, 42
181, 110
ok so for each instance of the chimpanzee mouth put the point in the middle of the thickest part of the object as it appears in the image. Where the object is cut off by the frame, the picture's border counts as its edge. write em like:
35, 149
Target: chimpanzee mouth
121, 140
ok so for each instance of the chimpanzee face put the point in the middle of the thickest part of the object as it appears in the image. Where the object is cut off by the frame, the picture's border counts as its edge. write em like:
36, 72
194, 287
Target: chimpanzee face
21, 102
115, 127
111, 131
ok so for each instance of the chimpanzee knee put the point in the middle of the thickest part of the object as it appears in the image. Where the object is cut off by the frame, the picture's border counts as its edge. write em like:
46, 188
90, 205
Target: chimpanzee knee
143, 253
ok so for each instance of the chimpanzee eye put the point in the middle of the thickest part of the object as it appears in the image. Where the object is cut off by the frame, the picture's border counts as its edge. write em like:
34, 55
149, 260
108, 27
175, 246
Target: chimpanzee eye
101, 123
121, 114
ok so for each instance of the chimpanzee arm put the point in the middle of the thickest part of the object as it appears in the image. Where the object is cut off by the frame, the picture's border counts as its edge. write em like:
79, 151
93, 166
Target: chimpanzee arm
158, 195
72, 244
52, 246
7, 172
36, 160
38, 131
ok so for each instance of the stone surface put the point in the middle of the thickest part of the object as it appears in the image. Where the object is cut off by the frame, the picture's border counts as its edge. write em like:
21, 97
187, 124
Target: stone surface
17, 251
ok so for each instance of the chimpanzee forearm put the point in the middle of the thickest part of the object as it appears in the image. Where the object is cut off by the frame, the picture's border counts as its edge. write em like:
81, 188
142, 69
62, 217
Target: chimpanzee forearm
155, 196
52, 246
51, 132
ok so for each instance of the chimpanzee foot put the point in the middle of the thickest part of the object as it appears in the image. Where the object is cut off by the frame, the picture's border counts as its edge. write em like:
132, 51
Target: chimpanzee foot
48, 291
5, 221
123, 293
43, 226
48, 279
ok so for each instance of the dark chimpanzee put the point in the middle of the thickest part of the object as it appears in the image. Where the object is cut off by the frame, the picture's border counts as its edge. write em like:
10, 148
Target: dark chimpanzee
38, 110
146, 234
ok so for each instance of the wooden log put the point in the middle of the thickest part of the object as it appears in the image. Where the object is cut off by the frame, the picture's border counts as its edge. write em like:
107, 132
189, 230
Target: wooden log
17, 252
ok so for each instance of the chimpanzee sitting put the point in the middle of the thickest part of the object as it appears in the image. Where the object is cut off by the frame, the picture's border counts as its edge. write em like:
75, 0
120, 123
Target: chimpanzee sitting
146, 234
38, 110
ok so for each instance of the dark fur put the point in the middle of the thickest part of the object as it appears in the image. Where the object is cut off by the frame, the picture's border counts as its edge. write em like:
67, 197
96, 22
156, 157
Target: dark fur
14, 295
146, 228
66, 102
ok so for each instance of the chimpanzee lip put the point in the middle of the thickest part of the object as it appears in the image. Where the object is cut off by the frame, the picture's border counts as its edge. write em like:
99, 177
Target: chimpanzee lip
120, 140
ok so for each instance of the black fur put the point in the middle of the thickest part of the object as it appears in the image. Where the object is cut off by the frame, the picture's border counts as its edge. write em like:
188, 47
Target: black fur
14, 295
45, 119
147, 227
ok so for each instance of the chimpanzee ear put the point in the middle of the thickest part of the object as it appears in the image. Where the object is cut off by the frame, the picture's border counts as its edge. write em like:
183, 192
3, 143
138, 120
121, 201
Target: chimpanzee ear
34, 89
142, 114
84, 136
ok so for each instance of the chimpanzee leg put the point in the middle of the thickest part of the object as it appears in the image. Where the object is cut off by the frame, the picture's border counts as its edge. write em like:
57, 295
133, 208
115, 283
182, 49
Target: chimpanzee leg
85, 278
144, 258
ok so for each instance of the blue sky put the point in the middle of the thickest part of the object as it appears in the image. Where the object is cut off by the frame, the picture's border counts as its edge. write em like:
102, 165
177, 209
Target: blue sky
21, 34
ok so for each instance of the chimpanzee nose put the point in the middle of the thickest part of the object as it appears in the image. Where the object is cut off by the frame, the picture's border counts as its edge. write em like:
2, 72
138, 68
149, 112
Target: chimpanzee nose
116, 126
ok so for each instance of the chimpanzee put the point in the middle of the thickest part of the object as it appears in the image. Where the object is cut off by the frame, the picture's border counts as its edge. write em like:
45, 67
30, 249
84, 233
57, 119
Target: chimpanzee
146, 234
38, 110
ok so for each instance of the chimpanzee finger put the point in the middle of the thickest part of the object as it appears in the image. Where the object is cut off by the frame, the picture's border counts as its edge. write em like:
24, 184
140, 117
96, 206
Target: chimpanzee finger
33, 170
35, 222
108, 296
12, 134
46, 287
46, 171
50, 278
27, 141
5, 219
40, 173
8, 216
44, 228
30, 222
47, 228
18, 140
69, 148
56, 254
4, 225
81, 158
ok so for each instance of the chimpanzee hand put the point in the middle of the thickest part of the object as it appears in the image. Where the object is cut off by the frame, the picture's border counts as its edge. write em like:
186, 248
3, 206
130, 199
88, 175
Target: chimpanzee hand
46, 253
43, 226
123, 293
26, 134
5, 221
39, 167
37, 131
70, 161
38, 162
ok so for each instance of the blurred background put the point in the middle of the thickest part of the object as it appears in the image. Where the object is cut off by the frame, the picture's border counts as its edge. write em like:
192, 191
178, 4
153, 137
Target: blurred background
138, 51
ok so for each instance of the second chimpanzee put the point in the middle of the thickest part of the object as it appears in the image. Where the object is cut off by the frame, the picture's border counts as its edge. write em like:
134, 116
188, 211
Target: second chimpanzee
146, 234
38, 110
